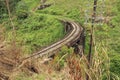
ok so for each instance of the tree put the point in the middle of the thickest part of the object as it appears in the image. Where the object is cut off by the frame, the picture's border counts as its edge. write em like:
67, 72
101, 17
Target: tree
2, 8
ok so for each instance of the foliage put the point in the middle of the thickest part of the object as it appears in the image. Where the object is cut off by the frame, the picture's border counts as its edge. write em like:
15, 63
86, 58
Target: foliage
115, 42
60, 58
22, 10
30, 4
115, 65
2, 8
12, 5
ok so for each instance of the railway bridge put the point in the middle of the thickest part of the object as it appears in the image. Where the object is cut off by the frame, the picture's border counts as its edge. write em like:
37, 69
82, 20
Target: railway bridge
73, 38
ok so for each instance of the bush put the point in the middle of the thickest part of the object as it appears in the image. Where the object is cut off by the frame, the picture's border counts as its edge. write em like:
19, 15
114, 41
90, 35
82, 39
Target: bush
60, 58
22, 14
22, 10
115, 65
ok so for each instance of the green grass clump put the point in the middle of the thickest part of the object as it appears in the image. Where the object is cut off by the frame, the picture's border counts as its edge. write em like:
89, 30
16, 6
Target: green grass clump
115, 65
30, 4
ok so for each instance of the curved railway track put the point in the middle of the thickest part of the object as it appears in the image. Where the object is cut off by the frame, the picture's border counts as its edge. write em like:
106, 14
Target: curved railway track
72, 37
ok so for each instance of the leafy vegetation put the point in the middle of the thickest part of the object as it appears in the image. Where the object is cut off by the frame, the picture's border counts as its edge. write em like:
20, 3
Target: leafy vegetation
115, 41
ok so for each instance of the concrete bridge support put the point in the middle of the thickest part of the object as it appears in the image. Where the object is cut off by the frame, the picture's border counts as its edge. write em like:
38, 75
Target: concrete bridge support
79, 46
67, 27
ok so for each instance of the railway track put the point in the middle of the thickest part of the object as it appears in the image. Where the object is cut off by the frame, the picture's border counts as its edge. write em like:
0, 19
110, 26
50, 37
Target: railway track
72, 36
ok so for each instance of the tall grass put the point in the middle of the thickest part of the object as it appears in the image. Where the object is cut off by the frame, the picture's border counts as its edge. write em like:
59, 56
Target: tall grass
10, 55
98, 70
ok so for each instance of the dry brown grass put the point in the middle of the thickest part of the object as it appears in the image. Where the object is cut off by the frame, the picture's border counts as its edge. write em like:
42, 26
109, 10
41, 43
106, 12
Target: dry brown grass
75, 68
9, 55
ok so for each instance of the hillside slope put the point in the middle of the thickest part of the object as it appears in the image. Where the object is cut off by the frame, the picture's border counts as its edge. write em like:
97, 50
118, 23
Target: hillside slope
40, 28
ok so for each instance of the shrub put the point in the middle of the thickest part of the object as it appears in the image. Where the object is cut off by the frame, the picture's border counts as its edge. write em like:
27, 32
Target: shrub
22, 10
61, 57
115, 65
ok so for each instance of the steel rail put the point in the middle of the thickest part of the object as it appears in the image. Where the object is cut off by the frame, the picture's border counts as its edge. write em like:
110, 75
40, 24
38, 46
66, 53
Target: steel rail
72, 36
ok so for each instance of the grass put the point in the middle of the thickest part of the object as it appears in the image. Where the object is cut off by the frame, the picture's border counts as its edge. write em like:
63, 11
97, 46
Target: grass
31, 4
110, 36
